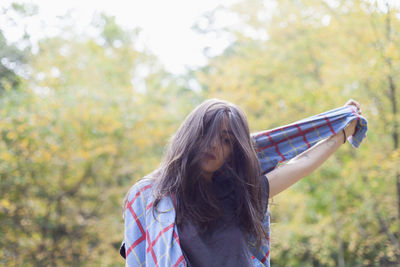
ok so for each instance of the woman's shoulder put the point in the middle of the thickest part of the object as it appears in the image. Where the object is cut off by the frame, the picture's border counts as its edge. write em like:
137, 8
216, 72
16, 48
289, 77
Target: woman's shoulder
144, 183
141, 190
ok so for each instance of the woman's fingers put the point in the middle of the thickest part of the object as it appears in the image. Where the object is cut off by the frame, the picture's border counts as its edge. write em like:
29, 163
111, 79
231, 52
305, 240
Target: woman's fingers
352, 102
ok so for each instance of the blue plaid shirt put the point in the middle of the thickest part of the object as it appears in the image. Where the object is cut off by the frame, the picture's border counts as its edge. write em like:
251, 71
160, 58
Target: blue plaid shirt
155, 242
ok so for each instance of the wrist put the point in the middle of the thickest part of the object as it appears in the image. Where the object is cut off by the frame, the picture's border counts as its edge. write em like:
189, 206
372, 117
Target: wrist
350, 128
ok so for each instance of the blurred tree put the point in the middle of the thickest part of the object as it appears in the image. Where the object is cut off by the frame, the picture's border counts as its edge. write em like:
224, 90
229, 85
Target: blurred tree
13, 58
292, 59
96, 113
94, 118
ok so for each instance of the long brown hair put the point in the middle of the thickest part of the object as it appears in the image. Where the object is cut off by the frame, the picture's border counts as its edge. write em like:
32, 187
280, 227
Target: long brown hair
180, 174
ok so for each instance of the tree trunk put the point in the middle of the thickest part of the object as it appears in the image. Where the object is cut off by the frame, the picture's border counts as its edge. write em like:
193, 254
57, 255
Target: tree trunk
393, 102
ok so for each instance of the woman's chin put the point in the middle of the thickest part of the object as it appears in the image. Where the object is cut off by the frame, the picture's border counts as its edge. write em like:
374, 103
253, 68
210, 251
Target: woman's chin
208, 171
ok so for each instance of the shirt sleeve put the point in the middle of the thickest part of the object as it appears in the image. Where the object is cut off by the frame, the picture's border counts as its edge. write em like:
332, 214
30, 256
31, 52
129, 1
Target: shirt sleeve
262, 255
284, 143
135, 225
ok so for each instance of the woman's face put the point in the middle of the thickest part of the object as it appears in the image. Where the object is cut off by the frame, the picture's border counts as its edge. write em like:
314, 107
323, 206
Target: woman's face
218, 153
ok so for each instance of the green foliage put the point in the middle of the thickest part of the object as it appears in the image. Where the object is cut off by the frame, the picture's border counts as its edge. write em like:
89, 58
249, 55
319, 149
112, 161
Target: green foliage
95, 116
316, 57
13, 57
8, 78
74, 141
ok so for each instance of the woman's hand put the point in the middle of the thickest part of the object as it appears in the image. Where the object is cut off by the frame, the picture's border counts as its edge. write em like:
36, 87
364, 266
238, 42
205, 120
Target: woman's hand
350, 129
305, 163
354, 103
352, 126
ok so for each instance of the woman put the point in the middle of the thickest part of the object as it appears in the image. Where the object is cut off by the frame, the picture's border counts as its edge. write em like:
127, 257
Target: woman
206, 204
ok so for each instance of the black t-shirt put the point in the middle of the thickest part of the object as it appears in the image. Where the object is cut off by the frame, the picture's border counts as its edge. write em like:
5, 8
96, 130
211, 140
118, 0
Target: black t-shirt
225, 244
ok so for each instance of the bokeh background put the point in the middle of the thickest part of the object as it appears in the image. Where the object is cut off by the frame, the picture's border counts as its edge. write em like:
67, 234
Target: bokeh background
85, 111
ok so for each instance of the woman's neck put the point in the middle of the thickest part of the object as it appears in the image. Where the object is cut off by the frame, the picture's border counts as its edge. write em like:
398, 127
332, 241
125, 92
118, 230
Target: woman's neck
208, 176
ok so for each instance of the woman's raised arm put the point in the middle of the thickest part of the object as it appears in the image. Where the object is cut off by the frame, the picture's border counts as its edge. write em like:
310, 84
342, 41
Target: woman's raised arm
305, 163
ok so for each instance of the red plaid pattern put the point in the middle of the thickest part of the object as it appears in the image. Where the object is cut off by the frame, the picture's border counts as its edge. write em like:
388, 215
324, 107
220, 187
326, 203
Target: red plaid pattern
153, 241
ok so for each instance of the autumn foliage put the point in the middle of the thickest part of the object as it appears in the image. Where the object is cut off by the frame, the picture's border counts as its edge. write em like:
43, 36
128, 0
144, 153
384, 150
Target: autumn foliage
93, 115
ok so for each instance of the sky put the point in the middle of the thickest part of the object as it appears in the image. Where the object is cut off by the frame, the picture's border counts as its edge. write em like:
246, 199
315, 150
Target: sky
166, 25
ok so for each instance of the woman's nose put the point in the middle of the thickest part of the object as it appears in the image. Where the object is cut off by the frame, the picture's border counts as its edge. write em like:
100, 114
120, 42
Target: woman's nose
214, 144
